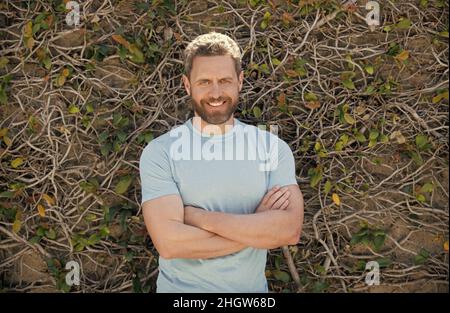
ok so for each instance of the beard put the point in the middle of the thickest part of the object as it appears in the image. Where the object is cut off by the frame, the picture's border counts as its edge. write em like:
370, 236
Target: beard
215, 115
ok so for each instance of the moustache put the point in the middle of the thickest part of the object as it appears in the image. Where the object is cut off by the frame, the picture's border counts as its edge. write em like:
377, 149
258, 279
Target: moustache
221, 99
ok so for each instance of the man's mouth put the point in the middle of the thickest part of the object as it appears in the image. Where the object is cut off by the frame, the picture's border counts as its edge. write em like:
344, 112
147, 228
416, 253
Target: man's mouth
216, 103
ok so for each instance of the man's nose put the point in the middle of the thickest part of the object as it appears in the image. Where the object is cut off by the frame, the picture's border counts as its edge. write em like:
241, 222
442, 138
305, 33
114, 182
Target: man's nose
215, 90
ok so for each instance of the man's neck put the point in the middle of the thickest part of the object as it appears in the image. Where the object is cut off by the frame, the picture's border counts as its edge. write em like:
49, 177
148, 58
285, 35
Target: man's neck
212, 129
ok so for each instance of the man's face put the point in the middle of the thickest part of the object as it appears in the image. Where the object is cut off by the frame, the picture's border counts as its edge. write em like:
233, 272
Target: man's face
214, 87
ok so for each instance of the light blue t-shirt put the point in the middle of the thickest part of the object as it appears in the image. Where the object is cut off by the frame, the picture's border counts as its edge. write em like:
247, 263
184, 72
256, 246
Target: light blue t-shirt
227, 173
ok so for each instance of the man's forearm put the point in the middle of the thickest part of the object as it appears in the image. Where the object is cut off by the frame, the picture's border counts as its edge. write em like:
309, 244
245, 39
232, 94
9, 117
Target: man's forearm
194, 243
266, 230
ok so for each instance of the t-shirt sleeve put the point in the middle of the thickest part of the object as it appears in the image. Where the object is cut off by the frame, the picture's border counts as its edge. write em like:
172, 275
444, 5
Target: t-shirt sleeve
155, 173
282, 171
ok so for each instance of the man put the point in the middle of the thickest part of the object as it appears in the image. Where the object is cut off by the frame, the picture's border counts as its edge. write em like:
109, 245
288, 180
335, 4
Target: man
213, 215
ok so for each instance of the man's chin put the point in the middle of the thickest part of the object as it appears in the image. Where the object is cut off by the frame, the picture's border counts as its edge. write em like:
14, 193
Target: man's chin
216, 120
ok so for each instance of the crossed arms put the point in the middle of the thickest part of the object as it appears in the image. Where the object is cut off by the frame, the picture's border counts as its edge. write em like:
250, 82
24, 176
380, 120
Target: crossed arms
179, 231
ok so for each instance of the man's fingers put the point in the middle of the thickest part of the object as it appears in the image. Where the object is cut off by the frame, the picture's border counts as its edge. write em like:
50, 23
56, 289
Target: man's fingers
280, 201
284, 205
270, 193
276, 196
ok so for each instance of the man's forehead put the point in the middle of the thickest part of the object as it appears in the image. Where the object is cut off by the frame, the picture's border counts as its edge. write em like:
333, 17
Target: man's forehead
222, 65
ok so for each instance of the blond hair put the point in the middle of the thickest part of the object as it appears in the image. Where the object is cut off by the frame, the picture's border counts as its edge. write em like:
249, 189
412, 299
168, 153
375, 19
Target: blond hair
212, 44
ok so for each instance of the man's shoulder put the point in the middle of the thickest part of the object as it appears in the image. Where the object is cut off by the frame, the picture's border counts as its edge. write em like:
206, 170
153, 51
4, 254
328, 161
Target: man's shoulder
264, 132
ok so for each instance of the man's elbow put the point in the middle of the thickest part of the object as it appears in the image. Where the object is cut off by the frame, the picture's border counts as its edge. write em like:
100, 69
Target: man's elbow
165, 251
165, 254
295, 237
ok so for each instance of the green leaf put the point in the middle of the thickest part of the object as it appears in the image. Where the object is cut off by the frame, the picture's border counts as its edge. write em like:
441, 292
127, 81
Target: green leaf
3, 95
348, 83
103, 136
60, 80
79, 247
310, 97
263, 24
123, 184
422, 142
384, 138
275, 62
105, 149
416, 157
148, 137
73, 109
256, 112
384, 262
420, 198
93, 239
6, 194
136, 54
370, 90
403, 23
315, 176
327, 187
122, 52
421, 257
344, 139
360, 137
428, 187
47, 62
104, 231
90, 186
90, 217
116, 146
50, 234
41, 231
121, 136
373, 135
369, 69
17, 162
360, 236
264, 68
3, 61
378, 241
349, 119
35, 239
89, 107
36, 28
317, 146
320, 286
281, 275
339, 146
387, 28
394, 49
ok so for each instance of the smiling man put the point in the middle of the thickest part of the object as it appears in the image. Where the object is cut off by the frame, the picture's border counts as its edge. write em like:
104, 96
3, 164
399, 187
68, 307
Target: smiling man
214, 207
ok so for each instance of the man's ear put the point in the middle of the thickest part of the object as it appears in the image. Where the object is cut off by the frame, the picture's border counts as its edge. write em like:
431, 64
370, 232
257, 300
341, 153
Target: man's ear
241, 80
187, 84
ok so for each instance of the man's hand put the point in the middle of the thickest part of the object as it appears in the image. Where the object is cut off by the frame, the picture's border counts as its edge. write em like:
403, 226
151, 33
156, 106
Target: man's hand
275, 199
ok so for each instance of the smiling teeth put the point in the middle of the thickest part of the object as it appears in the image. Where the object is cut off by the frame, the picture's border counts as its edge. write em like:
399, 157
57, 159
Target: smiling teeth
215, 104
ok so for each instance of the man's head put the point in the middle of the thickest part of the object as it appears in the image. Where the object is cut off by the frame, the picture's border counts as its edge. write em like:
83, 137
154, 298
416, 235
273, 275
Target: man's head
213, 76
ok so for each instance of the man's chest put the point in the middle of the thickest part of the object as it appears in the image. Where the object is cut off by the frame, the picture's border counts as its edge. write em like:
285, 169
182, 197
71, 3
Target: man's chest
232, 186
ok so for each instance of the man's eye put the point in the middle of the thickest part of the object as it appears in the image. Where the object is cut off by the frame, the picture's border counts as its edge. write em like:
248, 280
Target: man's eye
204, 82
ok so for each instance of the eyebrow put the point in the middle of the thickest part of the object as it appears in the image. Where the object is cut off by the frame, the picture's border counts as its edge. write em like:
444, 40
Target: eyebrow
203, 79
